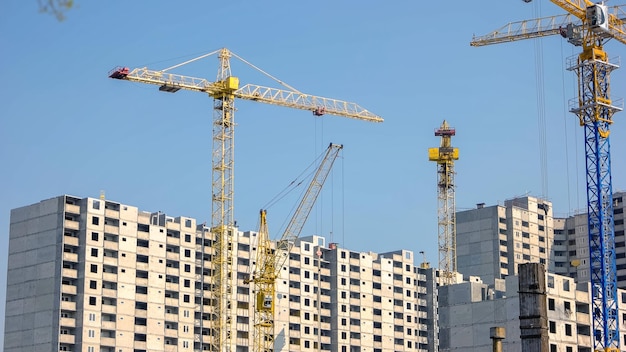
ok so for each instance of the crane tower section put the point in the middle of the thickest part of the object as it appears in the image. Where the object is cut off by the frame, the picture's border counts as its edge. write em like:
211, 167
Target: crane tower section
594, 109
445, 156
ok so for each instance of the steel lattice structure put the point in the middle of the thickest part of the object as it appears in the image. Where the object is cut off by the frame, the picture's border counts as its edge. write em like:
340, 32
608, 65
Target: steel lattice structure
445, 156
222, 218
595, 113
224, 90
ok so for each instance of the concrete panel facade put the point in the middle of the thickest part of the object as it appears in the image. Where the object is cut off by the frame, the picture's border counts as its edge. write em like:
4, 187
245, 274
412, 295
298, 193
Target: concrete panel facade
33, 272
468, 310
492, 241
89, 274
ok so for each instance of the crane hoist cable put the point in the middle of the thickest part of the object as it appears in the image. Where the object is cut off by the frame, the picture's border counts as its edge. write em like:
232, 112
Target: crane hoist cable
295, 183
541, 109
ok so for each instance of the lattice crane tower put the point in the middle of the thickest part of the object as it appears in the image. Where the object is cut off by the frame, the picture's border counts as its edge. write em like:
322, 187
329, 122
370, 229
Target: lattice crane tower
589, 25
224, 90
445, 156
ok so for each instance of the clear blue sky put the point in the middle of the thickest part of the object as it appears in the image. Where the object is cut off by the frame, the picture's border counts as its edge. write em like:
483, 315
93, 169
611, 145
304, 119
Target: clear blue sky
65, 128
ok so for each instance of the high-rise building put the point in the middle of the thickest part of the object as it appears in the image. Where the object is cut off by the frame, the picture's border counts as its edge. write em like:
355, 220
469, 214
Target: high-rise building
434, 279
89, 274
578, 239
381, 302
492, 241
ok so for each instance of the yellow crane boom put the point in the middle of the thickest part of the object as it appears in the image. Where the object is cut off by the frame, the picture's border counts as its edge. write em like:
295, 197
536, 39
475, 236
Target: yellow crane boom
170, 82
270, 261
224, 90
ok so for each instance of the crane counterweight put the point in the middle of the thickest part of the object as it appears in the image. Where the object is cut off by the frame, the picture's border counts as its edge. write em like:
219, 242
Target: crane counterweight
119, 73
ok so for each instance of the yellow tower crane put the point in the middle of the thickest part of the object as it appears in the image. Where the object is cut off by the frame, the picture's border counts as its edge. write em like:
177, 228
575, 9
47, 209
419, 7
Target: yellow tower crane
270, 261
445, 156
589, 25
224, 90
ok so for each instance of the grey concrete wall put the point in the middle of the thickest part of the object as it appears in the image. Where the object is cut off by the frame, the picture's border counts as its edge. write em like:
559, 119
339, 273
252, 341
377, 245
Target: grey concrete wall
477, 231
33, 281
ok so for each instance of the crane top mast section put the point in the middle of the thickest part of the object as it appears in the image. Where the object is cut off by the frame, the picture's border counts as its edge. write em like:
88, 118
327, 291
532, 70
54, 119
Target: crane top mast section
445, 153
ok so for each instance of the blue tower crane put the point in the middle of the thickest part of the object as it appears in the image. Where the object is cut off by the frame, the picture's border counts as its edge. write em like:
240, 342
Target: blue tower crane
589, 25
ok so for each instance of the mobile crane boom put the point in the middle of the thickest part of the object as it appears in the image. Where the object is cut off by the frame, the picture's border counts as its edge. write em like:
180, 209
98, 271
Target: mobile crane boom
270, 261
594, 25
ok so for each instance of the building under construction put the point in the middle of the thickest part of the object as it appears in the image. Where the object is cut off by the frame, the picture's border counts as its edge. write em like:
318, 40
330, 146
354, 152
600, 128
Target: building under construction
493, 240
89, 274
559, 319
107, 277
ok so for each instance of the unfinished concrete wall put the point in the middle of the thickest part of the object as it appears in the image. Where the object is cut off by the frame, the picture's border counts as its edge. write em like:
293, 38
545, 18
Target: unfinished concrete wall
533, 309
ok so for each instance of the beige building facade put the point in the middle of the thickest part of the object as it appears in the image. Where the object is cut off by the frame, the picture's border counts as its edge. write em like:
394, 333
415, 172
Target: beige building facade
90, 274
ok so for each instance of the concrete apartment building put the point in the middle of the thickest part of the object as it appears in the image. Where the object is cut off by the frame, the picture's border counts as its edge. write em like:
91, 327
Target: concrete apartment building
578, 243
491, 241
89, 274
94, 275
334, 299
619, 208
433, 282
468, 310
381, 302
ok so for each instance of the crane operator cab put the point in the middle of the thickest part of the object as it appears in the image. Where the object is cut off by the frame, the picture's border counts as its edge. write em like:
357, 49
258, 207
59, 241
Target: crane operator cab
598, 18
265, 301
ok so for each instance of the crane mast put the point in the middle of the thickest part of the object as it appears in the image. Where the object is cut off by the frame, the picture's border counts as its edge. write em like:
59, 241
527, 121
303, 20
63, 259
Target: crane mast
445, 156
594, 109
595, 113
264, 289
222, 218
270, 261
224, 90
